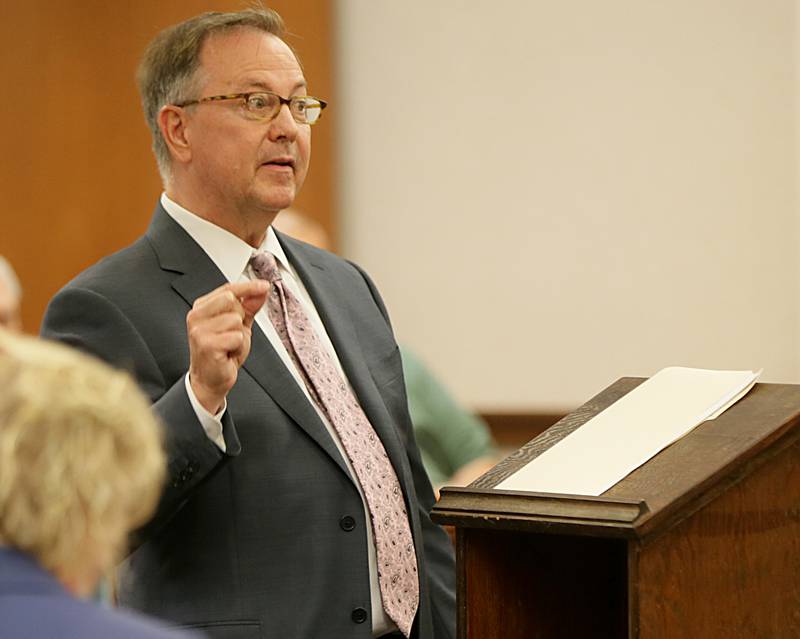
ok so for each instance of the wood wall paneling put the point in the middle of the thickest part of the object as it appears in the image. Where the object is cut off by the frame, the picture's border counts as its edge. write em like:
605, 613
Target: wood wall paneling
77, 175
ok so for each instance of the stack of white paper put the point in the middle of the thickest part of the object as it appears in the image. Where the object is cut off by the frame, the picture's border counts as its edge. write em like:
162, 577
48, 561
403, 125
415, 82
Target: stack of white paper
632, 430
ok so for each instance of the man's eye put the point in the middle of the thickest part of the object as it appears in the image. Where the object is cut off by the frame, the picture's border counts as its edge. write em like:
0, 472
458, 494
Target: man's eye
257, 102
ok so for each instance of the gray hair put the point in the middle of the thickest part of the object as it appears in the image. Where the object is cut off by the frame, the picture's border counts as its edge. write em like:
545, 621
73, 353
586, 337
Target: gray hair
9, 278
167, 72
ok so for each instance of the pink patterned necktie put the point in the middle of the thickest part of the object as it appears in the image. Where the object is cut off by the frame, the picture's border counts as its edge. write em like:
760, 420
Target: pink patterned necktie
397, 561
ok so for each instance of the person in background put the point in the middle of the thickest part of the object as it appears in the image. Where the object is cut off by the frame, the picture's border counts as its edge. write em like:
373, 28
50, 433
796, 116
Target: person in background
80, 465
10, 297
296, 504
455, 444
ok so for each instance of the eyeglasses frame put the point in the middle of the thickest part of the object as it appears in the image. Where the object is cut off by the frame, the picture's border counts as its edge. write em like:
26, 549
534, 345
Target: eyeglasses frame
246, 96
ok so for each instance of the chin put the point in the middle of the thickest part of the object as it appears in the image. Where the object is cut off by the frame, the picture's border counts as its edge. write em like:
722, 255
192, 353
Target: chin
277, 202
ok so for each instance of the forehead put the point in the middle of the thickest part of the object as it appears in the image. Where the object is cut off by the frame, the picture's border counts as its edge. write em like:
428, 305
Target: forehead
249, 56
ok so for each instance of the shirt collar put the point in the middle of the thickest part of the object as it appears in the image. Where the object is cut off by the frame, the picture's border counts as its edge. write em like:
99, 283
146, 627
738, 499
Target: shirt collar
230, 253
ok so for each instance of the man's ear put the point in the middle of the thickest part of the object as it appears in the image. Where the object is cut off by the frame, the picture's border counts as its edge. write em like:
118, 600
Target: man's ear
172, 121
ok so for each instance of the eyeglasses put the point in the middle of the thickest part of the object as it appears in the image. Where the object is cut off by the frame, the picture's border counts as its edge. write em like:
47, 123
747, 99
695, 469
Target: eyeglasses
264, 105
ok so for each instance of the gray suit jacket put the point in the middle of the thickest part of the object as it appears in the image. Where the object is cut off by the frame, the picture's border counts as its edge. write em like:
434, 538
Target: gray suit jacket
257, 542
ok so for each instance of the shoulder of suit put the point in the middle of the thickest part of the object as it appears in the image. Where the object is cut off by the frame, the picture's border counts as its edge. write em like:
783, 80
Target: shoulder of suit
126, 262
75, 619
312, 253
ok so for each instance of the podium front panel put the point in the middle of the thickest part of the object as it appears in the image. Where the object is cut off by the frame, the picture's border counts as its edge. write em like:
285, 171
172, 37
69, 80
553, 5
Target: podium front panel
522, 585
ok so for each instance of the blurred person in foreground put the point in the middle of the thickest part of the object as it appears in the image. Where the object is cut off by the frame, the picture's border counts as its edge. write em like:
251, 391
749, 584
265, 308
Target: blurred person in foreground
10, 297
455, 444
80, 465
296, 504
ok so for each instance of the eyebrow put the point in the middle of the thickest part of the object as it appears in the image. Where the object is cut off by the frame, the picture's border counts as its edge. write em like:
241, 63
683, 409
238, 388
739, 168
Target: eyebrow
258, 84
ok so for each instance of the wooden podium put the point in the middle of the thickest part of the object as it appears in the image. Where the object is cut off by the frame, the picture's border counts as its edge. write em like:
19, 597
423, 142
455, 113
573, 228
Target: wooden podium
703, 541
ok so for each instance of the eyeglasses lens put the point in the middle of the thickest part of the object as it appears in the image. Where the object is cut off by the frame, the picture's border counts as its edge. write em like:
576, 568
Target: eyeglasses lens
266, 106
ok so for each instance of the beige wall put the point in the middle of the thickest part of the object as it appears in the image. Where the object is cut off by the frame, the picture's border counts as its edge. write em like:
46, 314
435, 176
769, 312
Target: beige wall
552, 195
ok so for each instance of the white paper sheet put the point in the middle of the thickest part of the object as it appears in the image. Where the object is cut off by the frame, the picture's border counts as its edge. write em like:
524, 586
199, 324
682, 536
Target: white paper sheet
632, 430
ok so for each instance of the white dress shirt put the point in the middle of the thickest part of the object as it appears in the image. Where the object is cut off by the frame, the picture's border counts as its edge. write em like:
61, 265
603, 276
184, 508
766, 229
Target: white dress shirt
232, 255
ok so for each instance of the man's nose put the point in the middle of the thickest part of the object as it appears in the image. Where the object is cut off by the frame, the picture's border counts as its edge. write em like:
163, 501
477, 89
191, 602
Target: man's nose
283, 125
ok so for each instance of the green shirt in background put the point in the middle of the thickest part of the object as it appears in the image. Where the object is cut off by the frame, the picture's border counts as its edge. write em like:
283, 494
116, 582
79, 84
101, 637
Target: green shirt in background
448, 435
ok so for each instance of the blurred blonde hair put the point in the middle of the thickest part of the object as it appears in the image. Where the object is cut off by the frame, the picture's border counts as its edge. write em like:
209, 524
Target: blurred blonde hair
81, 460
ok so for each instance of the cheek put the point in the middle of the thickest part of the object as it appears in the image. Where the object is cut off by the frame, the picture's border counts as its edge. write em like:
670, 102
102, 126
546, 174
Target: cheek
304, 151
215, 155
225, 152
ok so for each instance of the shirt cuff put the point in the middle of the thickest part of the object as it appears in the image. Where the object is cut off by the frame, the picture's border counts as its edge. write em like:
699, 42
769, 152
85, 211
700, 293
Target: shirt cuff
212, 424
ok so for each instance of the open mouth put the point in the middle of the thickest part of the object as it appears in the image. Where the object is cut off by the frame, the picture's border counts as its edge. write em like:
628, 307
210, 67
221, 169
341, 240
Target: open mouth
286, 162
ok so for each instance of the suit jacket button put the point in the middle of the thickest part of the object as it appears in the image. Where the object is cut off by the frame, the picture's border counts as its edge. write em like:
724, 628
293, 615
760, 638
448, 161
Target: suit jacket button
359, 615
347, 523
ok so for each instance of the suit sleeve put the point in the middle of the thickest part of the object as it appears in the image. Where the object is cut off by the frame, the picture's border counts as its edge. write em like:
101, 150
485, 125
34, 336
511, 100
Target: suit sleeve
438, 549
87, 320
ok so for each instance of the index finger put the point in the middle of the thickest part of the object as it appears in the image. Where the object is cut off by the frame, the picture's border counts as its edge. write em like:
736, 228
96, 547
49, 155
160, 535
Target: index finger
234, 292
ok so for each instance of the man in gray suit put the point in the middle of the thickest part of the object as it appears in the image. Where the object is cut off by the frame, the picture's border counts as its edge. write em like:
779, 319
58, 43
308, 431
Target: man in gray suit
274, 522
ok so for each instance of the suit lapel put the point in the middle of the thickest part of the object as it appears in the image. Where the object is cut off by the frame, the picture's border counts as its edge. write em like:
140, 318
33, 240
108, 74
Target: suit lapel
196, 275
325, 291
267, 368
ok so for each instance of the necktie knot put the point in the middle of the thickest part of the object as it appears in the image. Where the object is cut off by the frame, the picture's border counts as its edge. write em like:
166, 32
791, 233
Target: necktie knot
265, 266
